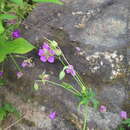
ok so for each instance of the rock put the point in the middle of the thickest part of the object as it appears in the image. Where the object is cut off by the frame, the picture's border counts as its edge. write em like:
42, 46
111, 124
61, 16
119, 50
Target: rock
33, 117
99, 29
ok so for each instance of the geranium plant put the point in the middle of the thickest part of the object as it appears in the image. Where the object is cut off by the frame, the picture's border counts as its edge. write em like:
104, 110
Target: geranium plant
47, 53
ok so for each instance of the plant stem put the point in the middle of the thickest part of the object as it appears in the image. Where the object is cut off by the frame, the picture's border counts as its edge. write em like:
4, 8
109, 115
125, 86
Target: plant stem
85, 118
15, 63
14, 123
19, 56
75, 77
51, 82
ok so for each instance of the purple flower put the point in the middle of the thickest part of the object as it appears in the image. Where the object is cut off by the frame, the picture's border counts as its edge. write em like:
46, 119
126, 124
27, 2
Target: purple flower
16, 34
1, 73
103, 108
123, 114
24, 64
71, 70
77, 48
46, 53
27, 63
52, 115
19, 75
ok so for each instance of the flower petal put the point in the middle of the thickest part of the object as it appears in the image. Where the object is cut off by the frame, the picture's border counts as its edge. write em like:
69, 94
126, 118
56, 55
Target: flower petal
1, 73
68, 71
51, 52
103, 108
73, 73
43, 58
123, 115
24, 64
46, 46
41, 52
51, 59
16, 34
52, 115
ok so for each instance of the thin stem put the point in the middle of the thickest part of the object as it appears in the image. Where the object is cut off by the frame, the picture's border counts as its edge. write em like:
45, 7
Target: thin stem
51, 82
85, 118
80, 83
65, 58
62, 61
15, 63
19, 56
14, 123
81, 79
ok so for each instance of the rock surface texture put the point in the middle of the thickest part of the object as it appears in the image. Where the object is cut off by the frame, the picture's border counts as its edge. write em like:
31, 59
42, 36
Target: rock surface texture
100, 28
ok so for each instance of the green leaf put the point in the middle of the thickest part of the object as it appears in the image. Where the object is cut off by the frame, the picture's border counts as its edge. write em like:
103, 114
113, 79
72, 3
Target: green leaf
9, 108
2, 114
4, 50
20, 46
61, 75
18, 2
36, 87
127, 121
7, 16
2, 82
95, 103
50, 1
1, 27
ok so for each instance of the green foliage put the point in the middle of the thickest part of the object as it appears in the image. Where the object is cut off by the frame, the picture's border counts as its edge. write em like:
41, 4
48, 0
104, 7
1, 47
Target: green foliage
126, 122
50, 1
20, 46
7, 16
1, 27
6, 109
17, 46
20, 9
18, 2
87, 97
2, 82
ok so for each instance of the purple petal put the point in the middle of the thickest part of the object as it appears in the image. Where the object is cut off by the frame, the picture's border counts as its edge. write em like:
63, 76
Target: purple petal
51, 52
73, 73
123, 115
51, 59
78, 49
103, 108
71, 67
68, 71
1, 73
41, 52
52, 115
19, 75
43, 58
24, 64
16, 34
46, 46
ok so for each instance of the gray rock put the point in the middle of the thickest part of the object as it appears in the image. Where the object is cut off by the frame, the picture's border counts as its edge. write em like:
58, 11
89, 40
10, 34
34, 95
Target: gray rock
99, 28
